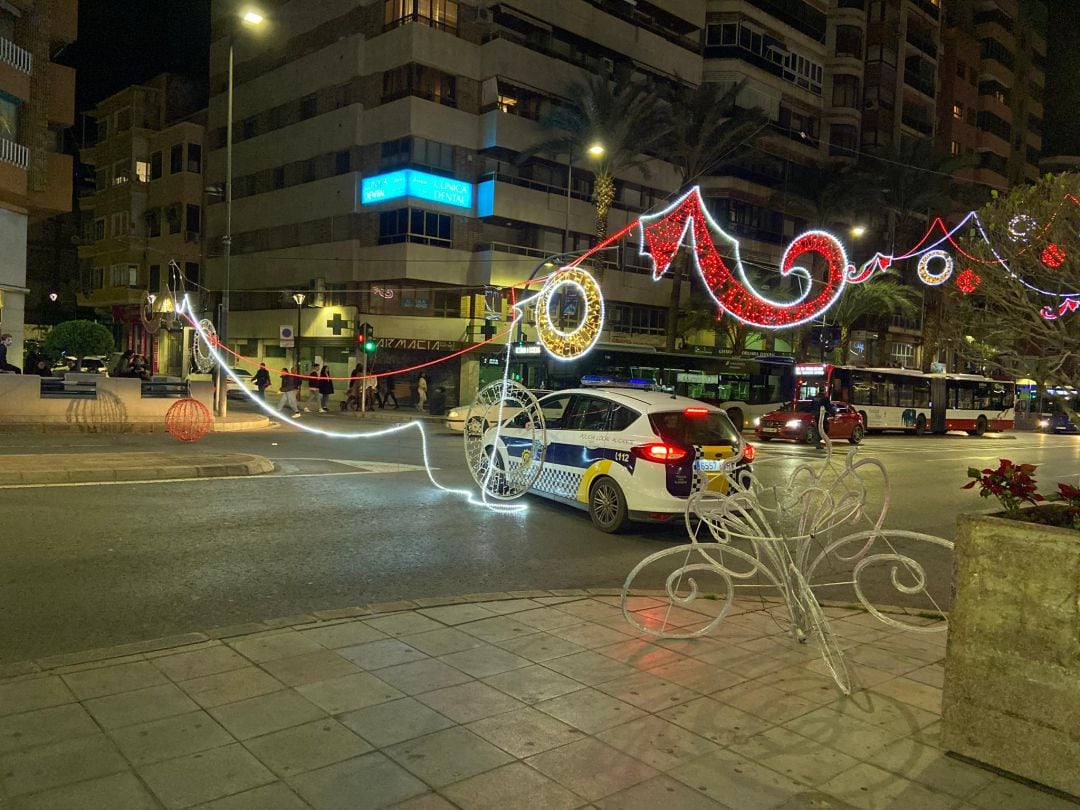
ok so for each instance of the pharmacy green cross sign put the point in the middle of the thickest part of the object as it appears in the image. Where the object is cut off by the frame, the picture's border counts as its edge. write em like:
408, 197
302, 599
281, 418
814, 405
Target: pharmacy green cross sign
337, 325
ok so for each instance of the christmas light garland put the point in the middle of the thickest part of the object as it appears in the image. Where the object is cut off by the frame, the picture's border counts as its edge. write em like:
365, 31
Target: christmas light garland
934, 279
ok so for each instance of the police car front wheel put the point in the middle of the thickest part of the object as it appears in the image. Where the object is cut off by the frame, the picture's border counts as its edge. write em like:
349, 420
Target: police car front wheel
607, 506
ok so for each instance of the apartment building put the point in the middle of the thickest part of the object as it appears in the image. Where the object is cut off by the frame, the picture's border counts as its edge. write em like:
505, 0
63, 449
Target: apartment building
376, 169
144, 218
37, 102
993, 82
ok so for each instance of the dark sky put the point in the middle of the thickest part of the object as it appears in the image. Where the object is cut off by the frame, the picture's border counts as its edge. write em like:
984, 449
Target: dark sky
123, 42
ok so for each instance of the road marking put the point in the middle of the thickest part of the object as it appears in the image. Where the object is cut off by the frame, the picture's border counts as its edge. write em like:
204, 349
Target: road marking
267, 477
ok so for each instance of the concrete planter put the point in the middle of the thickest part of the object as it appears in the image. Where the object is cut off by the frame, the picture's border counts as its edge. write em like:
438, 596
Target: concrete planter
1012, 666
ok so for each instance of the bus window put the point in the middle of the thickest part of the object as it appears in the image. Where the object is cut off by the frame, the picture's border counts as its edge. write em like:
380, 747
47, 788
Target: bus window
879, 394
965, 396
906, 394
922, 394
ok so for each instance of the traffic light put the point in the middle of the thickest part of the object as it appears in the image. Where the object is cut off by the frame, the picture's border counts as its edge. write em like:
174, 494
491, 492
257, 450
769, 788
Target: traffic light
366, 337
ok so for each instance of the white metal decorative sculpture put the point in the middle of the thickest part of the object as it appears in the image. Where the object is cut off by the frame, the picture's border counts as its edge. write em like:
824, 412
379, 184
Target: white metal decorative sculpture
495, 404
792, 538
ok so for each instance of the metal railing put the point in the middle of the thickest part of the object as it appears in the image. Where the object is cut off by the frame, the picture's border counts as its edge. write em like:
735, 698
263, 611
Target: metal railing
18, 58
15, 153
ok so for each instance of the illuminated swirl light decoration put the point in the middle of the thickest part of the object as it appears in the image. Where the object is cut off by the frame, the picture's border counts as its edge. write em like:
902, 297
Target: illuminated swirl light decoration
506, 476
209, 339
567, 345
818, 529
1022, 228
202, 351
934, 279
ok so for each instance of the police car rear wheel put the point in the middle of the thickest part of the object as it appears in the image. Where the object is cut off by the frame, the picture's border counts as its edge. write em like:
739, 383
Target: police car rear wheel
607, 506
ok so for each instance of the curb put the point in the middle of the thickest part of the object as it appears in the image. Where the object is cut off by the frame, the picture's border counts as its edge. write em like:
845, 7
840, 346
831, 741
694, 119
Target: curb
235, 464
236, 425
159, 646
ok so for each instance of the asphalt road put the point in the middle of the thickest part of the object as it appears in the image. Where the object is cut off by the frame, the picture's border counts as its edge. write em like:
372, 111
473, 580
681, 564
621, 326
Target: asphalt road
89, 566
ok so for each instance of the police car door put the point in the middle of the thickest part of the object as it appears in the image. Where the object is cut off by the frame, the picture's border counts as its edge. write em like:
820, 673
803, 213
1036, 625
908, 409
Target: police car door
554, 408
577, 444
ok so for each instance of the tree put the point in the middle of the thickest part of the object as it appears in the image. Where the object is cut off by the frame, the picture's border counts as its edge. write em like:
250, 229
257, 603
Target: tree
708, 133
626, 118
830, 197
79, 339
876, 299
1002, 318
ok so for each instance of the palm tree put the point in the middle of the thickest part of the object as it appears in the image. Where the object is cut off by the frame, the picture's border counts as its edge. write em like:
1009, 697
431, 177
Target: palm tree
627, 119
876, 299
829, 197
708, 132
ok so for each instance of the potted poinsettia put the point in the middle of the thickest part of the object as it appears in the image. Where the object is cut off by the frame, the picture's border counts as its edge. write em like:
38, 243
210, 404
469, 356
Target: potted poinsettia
1012, 666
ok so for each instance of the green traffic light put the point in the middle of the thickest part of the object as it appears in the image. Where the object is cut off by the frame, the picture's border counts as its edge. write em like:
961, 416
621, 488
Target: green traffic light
369, 346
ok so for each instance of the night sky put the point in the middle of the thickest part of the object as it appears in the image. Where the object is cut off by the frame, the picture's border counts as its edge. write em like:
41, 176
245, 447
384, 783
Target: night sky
123, 42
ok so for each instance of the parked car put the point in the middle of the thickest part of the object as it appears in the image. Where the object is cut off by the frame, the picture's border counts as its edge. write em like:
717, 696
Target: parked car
623, 454
795, 422
247, 383
482, 418
90, 365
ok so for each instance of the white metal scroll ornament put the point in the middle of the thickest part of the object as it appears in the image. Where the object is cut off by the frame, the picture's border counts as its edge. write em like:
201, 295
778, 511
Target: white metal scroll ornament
792, 539
505, 467
200, 351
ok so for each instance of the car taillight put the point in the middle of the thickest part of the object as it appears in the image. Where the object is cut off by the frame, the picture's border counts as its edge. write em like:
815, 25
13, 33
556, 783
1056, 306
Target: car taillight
749, 452
696, 412
661, 453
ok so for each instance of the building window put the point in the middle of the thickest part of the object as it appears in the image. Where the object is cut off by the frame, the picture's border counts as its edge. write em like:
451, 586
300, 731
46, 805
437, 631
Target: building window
642, 320
441, 14
194, 219
341, 162
194, 158
309, 107
176, 159
172, 215
142, 171
124, 275
191, 273
153, 222
155, 278
9, 118
155, 166
843, 140
123, 120
415, 225
954, 148
97, 278
99, 229
845, 91
446, 304
121, 173
121, 223
903, 355
420, 81
849, 41
958, 111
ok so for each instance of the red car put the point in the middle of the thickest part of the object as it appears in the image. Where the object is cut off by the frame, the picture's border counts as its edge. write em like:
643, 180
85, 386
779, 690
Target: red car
795, 422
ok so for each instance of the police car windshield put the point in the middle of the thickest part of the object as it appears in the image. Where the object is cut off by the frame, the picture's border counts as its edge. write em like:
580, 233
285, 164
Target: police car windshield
678, 427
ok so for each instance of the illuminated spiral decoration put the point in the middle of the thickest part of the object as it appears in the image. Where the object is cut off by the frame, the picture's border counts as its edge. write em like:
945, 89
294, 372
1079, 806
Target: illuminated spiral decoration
577, 341
502, 475
200, 351
1022, 227
934, 279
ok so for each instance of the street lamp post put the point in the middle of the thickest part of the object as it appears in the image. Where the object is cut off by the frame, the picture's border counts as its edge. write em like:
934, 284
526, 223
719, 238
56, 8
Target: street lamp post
595, 150
251, 18
299, 299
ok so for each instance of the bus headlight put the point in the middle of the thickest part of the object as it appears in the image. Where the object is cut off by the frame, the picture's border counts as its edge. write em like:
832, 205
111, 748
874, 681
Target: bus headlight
757, 421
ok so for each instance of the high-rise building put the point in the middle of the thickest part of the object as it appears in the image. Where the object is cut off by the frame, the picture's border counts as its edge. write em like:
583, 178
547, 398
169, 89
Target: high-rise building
37, 102
144, 219
993, 82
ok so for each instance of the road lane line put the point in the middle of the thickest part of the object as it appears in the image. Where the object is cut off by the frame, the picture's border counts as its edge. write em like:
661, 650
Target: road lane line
267, 477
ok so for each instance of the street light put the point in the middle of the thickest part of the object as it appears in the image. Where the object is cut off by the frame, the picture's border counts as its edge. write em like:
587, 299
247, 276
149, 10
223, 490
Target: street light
252, 18
858, 231
596, 150
299, 299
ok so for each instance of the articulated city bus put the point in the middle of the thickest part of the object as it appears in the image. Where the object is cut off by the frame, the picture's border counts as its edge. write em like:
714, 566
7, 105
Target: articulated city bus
903, 399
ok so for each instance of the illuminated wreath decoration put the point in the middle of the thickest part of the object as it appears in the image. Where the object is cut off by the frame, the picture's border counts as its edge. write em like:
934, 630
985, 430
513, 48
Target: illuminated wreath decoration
934, 279
577, 341
1022, 227
494, 405
204, 360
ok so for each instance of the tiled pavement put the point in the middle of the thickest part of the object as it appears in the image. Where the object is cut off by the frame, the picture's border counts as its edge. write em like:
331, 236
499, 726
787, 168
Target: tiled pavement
539, 701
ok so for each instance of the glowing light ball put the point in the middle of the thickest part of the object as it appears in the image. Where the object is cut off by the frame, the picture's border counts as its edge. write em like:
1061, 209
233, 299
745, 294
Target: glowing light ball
1053, 256
188, 420
968, 281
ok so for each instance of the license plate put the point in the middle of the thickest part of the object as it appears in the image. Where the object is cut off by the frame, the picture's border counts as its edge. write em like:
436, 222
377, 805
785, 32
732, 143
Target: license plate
708, 465
769, 430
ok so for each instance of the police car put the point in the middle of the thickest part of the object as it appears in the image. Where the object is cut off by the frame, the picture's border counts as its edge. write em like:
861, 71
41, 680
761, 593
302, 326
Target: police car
622, 453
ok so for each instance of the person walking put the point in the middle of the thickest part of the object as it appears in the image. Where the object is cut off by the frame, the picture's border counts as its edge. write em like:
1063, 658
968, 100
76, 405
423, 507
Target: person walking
313, 388
326, 388
262, 380
289, 384
822, 409
389, 395
5, 366
421, 392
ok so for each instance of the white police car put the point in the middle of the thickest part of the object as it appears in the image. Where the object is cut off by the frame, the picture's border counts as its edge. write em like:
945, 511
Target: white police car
622, 453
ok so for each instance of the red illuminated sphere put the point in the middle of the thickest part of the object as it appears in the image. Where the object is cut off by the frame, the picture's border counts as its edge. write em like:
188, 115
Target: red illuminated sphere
1053, 256
188, 420
968, 281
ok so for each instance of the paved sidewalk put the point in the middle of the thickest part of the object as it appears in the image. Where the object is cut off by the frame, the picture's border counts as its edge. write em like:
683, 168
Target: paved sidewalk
66, 468
523, 700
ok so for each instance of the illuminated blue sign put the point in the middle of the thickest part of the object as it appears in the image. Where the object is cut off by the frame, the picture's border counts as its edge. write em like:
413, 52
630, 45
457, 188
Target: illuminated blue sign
412, 183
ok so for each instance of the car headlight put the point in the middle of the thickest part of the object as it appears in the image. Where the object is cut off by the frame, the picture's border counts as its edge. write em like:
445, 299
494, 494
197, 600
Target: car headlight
454, 415
757, 421
1044, 423
794, 423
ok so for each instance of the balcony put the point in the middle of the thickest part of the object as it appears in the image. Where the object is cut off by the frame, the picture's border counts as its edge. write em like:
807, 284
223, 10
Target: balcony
14, 153
923, 85
923, 42
917, 124
931, 7
18, 58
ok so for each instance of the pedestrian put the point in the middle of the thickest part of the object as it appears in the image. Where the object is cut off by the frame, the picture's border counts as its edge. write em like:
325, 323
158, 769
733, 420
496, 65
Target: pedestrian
821, 406
262, 380
42, 369
421, 391
123, 363
5, 366
326, 389
389, 395
139, 367
313, 388
289, 384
